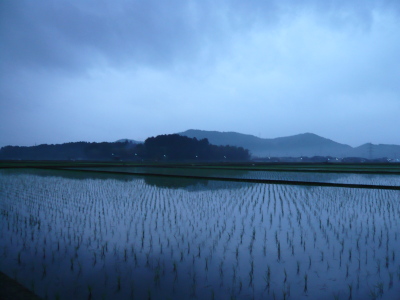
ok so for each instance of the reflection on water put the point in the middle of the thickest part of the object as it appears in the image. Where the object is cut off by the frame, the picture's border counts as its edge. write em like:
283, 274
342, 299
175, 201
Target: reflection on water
344, 178
157, 181
190, 184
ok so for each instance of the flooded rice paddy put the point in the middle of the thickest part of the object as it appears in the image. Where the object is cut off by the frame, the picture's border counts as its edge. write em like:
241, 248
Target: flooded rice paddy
72, 235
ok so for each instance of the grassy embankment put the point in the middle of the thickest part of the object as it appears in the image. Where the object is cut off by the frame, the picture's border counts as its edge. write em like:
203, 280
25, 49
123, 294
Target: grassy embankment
366, 168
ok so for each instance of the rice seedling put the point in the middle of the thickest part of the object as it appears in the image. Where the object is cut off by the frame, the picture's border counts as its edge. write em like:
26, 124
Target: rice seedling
90, 292
379, 287
44, 273
305, 283
350, 291
390, 280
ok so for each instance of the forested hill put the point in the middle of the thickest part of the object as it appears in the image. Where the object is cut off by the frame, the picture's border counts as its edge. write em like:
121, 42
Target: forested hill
69, 151
177, 147
164, 147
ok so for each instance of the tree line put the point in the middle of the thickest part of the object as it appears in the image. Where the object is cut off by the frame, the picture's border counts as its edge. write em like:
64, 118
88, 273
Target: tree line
172, 147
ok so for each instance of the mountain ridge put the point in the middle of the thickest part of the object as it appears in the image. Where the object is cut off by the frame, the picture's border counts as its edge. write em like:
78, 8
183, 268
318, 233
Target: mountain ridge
303, 144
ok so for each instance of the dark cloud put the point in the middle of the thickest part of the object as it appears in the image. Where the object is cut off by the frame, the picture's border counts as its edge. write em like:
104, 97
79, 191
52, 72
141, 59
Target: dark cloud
79, 34
75, 34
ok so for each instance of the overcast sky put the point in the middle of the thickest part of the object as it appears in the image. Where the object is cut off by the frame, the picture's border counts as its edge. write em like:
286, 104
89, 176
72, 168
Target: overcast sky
101, 70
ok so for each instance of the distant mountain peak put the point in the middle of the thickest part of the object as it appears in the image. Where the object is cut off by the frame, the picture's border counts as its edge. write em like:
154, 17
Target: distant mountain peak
303, 144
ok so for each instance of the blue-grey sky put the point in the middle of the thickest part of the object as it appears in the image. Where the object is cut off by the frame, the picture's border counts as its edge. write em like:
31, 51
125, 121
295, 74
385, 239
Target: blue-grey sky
97, 70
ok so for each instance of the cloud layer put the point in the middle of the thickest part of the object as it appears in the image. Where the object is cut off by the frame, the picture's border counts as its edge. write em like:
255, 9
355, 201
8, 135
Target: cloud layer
101, 70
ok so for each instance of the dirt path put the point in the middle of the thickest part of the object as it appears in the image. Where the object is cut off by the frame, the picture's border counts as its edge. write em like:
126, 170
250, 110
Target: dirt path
12, 290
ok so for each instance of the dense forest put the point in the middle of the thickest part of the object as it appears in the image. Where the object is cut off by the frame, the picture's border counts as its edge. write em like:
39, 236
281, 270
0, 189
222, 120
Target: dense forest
171, 147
